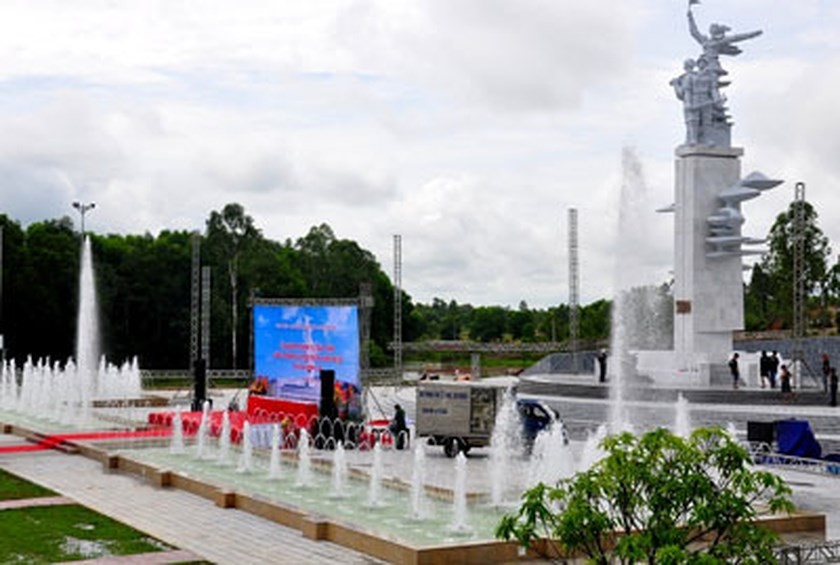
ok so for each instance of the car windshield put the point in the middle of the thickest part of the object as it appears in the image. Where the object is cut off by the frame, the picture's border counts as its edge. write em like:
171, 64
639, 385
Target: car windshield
540, 412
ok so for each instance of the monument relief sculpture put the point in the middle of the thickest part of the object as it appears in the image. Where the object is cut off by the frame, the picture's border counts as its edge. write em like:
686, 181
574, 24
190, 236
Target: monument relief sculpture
706, 118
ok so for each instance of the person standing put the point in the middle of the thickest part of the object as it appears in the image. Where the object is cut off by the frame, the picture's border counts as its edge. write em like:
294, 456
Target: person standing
826, 370
833, 386
785, 378
602, 366
764, 368
733, 369
774, 368
398, 427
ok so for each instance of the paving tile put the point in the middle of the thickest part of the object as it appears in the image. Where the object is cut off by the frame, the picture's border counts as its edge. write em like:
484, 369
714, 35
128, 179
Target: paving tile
155, 558
176, 517
31, 502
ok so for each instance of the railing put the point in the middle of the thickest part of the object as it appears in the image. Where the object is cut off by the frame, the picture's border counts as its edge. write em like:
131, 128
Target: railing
821, 552
762, 454
808, 553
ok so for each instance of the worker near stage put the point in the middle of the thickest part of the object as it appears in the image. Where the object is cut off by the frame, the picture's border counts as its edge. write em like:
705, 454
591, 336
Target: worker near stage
398, 427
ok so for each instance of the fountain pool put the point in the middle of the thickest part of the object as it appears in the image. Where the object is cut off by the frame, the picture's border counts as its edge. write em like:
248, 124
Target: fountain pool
390, 514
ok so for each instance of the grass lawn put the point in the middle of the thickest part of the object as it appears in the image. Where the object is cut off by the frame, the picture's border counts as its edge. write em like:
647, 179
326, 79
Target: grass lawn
13, 487
66, 533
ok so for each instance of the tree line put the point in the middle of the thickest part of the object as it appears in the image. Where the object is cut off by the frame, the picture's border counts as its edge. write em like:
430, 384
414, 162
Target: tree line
144, 292
144, 289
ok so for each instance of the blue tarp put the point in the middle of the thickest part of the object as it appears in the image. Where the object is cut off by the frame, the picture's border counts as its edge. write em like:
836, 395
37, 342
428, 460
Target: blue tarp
795, 437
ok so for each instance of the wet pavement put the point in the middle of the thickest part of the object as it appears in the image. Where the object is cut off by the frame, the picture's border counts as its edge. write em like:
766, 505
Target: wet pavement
171, 515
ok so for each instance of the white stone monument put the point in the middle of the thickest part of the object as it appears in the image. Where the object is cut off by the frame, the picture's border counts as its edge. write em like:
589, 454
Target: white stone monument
708, 191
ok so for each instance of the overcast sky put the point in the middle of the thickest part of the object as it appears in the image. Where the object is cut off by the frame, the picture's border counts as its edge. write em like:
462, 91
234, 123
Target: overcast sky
469, 127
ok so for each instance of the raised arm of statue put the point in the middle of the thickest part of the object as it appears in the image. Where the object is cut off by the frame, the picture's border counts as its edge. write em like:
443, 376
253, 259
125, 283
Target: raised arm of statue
695, 31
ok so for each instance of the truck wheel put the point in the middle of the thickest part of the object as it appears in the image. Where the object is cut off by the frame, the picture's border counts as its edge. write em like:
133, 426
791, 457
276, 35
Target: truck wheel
451, 446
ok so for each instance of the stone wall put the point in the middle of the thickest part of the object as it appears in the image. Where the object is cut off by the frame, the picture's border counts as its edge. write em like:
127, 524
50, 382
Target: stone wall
812, 347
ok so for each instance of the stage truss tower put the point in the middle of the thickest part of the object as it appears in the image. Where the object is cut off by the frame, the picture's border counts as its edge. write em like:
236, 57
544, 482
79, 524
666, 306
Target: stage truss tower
798, 280
195, 299
398, 362
574, 285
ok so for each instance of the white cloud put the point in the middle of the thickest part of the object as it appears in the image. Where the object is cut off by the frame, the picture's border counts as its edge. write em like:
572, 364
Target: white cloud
468, 127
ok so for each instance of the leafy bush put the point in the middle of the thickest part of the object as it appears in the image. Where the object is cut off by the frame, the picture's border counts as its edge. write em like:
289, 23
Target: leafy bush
658, 498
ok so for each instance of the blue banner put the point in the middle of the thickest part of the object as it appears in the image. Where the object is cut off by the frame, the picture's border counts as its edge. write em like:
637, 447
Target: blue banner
293, 344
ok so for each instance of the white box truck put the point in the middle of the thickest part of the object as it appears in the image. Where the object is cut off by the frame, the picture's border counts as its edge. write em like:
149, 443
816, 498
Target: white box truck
460, 415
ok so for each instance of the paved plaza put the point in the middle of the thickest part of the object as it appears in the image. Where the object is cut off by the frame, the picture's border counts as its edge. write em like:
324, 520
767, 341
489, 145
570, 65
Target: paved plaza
178, 518
197, 526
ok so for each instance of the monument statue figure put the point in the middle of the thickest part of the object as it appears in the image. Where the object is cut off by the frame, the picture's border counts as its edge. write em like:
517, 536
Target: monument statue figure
704, 107
703, 104
717, 42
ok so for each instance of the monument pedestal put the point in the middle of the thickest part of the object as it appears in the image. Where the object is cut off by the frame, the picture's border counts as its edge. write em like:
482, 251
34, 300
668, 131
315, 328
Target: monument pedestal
708, 290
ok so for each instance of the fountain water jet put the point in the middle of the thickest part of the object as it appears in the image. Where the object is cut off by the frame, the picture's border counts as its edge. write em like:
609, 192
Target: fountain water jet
551, 457
224, 439
304, 470
639, 311
203, 435
505, 445
592, 451
177, 445
682, 419
375, 488
460, 518
66, 396
246, 458
339, 471
87, 333
418, 479
274, 461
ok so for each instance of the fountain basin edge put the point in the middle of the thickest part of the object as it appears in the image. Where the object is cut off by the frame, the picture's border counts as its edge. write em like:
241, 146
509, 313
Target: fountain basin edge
320, 528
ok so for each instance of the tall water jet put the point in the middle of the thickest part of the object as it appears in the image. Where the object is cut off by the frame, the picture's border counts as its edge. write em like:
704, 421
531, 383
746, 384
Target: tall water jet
8, 388
177, 444
87, 332
246, 458
224, 439
732, 430
418, 479
203, 435
638, 319
304, 470
505, 443
375, 486
274, 461
460, 519
682, 418
339, 471
592, 451
551, 457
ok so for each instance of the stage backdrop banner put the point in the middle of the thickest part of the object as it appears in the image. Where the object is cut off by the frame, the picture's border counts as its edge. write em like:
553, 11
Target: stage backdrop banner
292, 344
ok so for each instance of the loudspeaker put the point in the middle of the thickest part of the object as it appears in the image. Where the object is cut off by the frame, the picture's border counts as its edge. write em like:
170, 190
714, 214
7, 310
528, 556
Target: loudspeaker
327, 407
763, 432
199, 385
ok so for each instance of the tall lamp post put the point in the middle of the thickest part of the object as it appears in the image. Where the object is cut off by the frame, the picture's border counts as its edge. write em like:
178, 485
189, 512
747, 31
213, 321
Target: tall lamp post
2, 345
83, 209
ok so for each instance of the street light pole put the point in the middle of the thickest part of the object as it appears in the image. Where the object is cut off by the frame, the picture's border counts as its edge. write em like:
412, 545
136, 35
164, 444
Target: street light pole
2, 344
83, 209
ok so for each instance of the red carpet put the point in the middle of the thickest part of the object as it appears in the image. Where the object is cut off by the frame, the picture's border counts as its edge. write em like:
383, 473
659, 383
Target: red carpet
51, 441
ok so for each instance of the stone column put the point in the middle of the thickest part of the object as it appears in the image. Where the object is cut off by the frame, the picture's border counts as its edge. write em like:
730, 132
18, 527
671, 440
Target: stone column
708, 291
